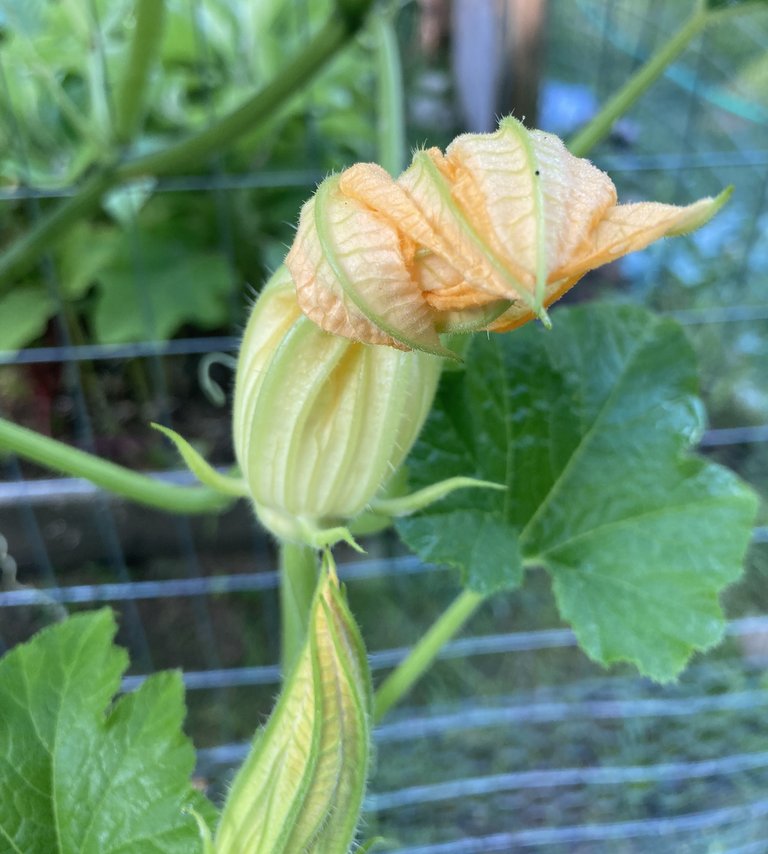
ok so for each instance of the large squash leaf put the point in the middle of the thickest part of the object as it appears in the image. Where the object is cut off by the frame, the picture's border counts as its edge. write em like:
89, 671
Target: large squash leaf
589, 426
79, 776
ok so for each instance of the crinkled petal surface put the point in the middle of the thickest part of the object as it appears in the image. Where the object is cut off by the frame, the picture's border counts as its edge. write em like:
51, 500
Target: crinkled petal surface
352, 274
481, 237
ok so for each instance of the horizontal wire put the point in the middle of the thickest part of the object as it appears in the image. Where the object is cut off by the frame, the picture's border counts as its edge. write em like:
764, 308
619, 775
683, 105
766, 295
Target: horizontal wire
559, 777
641, 828
230, 343
41, 490
214, 585
635, 162
517, 711
211, 585
462, 648
557, 711
193, 183
104, 352
735, 436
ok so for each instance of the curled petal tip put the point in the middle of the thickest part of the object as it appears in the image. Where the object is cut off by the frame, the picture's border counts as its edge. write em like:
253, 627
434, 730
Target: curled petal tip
701, 212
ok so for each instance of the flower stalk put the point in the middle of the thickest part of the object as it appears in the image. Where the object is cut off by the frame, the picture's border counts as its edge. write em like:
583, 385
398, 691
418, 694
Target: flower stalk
143, 53
121, 481
423, 655
617, 106
299, 573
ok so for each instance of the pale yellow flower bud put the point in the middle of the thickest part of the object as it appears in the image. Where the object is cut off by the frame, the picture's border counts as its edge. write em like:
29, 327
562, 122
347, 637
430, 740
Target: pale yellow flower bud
320, 422
301, 787
481, 237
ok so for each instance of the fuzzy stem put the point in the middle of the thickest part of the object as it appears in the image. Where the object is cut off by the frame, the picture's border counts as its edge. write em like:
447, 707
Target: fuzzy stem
390, 122
122, 481
298, 579
422, 656
600, 126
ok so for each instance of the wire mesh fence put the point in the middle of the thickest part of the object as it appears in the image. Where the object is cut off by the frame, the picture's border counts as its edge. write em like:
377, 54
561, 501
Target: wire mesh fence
515, 741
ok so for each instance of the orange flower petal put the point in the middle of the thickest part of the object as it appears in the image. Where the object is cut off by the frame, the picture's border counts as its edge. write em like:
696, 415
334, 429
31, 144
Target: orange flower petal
352, 278
627, 228
533, 201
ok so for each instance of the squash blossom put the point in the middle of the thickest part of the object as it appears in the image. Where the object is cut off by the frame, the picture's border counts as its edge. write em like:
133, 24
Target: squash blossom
320, 422
484, 236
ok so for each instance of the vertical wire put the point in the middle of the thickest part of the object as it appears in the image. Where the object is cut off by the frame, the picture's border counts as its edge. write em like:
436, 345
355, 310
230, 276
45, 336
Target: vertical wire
661, 262
226, 242
603, 83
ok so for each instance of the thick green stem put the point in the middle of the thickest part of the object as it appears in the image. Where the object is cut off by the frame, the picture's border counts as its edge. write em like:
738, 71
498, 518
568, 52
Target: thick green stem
390, 118
143, 53
422, 656
195, 148
129, 484
189, 152
618, 105
298, 579
21, 255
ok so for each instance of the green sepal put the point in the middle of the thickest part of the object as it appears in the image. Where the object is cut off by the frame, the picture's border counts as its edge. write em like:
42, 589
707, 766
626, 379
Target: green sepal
471, 319
206, 839
202, 469
406, 504
323, 538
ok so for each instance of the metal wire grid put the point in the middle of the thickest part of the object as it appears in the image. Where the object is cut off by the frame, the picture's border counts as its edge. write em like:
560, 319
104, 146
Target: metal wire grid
503, 811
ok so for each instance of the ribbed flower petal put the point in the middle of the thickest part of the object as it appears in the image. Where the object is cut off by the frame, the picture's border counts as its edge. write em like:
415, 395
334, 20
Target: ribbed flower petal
627, 228
481, 237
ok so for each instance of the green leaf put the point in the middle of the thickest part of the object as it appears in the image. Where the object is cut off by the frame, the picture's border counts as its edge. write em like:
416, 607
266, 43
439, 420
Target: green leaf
80, 775
151, 291
83, 254
589, 426
716, 5
24, 314
480, 543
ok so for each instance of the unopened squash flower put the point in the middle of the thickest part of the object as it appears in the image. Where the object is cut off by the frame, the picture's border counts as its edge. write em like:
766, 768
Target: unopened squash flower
321, 423
301, 787
484, 236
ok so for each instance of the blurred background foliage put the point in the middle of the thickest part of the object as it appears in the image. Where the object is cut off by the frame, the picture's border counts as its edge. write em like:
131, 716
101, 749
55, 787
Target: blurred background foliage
177, 257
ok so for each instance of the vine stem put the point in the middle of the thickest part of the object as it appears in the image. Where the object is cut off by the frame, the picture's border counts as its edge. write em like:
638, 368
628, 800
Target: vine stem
298, 579
600, 126
143, 54
421, 657
338, 30
122, 481
390, 112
